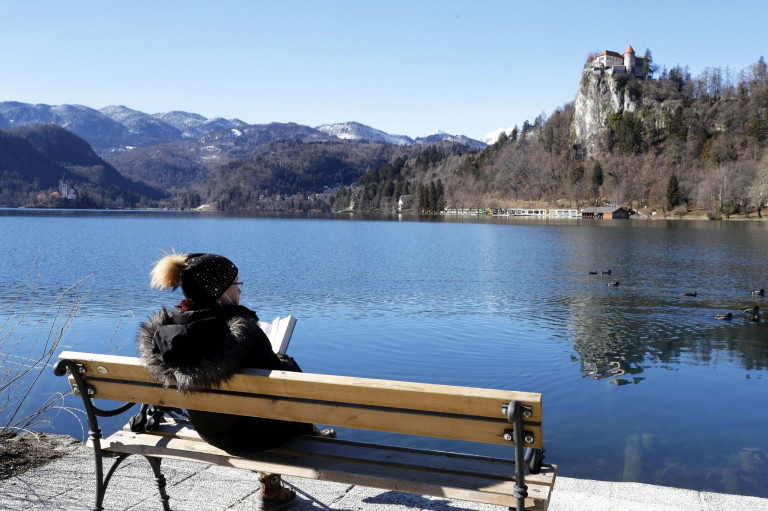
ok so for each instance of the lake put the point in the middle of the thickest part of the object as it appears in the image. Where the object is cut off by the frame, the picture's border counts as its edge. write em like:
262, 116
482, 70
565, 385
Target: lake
639, 382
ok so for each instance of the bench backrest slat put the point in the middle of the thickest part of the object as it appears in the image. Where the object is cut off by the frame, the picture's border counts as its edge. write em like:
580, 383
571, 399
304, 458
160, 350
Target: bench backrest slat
444, 411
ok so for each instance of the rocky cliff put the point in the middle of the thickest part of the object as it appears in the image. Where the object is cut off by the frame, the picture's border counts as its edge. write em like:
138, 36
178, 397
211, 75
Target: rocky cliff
601, 94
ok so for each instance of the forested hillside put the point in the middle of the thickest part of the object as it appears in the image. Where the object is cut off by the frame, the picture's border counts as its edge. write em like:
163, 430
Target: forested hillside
34, 158
689, 142
291, 168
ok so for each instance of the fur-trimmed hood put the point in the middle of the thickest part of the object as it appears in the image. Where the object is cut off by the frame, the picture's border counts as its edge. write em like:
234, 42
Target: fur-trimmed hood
195, 350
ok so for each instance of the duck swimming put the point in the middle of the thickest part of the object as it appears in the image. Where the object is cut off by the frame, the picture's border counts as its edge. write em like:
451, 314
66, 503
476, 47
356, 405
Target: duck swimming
726, 317
755, 311
758, 292
613, 284
689, 293
593, 272
607, 272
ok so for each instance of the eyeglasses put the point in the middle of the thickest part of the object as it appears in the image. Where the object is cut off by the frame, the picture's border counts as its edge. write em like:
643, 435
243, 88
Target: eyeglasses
238, 284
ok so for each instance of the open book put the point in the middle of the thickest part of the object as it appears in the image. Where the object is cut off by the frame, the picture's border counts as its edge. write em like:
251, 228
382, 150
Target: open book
279, 332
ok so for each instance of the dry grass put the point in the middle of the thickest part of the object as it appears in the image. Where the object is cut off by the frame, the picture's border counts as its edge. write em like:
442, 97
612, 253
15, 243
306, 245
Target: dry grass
30, 335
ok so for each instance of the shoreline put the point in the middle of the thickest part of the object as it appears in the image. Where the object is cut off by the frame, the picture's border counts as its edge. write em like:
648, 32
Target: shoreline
372, 214
64, 470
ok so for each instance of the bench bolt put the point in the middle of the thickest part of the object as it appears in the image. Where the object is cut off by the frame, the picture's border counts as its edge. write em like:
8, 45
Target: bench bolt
507, 437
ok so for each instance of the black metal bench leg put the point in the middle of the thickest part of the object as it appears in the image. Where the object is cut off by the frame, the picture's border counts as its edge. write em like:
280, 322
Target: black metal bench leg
101, 484
520, 490
101, 487
159, 481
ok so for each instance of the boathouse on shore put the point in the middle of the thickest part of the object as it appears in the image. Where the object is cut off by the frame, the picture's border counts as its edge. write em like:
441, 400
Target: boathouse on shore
604, 213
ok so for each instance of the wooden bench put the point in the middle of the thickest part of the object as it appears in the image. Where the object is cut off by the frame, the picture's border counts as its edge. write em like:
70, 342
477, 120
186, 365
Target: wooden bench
508, 418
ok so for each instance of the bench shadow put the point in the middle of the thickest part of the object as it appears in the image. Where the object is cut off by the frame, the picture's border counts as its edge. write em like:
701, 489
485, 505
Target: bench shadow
414, 501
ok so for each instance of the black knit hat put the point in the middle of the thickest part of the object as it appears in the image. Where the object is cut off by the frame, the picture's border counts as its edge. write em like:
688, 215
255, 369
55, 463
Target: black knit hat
206, 277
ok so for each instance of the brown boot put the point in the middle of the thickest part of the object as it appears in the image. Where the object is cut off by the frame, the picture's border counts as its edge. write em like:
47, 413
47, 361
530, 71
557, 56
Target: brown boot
273, 495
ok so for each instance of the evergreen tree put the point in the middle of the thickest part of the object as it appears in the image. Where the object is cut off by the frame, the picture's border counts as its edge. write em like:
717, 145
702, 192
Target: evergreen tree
502, 139
597, 180
761, 69
648, 67
432, 197
673, 192
423, 198
440, 195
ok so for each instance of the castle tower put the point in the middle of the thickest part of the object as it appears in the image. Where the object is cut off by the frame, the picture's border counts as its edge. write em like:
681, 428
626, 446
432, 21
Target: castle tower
629, 60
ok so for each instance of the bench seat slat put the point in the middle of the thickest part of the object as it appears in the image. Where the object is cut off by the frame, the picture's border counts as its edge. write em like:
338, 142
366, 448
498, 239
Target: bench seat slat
411, 422
443, 398
342, 468
450, 462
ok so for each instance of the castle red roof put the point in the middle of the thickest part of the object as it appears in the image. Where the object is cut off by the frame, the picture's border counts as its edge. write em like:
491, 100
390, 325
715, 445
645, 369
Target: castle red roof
610, 53
629, 49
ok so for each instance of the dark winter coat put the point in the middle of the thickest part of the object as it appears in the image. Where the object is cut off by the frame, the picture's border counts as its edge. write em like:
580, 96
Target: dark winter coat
197, 349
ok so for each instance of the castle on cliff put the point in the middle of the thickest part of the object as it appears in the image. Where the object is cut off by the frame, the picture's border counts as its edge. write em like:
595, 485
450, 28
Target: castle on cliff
613, 62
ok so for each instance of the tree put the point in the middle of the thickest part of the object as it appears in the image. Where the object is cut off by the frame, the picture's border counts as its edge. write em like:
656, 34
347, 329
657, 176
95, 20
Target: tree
440, 196
757, 127
597, 180
432, 197
673, 192
758, 192
760, 69
575, 178
648, 67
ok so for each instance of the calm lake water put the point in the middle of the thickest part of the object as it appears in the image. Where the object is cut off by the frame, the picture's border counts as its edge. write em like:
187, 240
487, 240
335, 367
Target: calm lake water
639, 383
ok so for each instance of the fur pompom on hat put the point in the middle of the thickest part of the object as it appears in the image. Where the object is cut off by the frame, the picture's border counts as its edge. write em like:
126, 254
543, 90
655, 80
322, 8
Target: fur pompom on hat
203, 277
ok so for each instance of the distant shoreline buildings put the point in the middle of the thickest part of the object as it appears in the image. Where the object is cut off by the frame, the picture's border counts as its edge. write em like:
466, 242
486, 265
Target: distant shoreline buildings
64, 192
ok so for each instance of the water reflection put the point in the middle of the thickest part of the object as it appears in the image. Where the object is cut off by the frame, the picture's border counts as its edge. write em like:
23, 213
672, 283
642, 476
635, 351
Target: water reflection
619, 345
631, 374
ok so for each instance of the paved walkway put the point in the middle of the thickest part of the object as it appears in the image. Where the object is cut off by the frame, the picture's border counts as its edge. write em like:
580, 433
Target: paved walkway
67, 484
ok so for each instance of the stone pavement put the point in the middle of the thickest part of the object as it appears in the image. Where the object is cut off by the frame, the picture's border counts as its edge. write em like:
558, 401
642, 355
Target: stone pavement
67, 484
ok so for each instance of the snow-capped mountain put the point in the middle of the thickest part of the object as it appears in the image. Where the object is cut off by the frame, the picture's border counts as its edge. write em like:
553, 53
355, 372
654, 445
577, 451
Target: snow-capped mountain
440, 136
87, 123
357, 131
182, 121
493, 136
139, 123
195, 125
115, 129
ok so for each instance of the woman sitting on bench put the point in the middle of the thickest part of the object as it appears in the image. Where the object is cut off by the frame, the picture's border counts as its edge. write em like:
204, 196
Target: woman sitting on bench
202, 342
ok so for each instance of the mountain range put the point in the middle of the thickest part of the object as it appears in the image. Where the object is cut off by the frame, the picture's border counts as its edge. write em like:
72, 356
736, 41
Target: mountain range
117, 156
114, 130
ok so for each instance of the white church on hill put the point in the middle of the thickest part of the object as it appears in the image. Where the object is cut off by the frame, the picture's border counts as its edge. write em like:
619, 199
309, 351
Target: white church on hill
616, 63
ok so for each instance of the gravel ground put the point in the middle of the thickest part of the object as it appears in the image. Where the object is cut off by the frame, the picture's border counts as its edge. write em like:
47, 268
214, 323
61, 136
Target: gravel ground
31, 450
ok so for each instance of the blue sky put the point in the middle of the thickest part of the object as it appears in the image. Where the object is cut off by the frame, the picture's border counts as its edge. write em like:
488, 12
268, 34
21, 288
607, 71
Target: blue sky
404, 67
